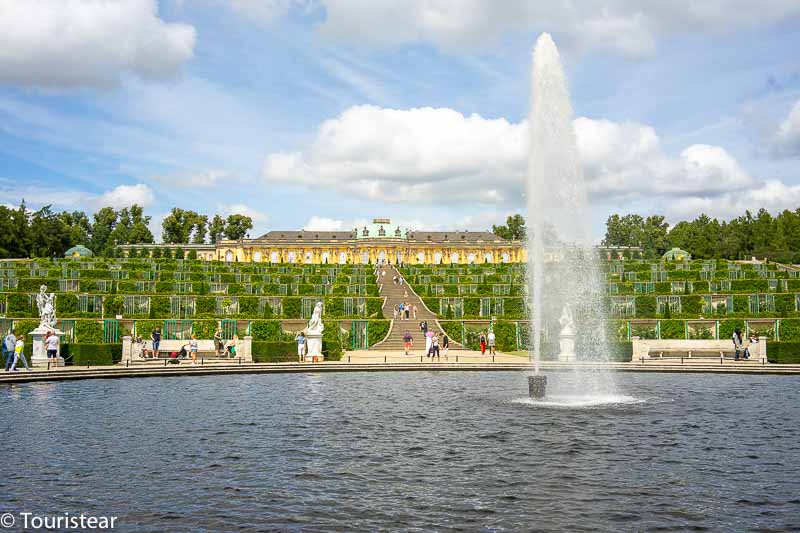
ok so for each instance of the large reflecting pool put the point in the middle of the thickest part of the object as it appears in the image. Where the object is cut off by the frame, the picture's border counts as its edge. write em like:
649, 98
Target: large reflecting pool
405, 451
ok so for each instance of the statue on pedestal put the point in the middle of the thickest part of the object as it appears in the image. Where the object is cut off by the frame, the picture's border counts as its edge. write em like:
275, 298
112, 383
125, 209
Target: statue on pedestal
315, 324
47, 308
46, 303
314, 335
566, 339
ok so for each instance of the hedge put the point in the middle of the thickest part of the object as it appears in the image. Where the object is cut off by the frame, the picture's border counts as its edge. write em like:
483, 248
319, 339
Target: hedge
286, 351
92, 354
783, 352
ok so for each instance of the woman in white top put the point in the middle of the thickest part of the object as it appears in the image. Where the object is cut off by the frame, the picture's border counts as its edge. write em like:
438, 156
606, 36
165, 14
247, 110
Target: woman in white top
193, 349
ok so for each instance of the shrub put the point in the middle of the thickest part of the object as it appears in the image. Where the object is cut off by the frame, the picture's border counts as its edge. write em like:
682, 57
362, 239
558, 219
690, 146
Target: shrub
783, 352
89, 332
204, 329
673, 329
92, 354
274, 351
266, 330
378, 329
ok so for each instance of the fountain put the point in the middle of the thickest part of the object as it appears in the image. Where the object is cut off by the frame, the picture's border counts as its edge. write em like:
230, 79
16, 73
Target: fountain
564, 275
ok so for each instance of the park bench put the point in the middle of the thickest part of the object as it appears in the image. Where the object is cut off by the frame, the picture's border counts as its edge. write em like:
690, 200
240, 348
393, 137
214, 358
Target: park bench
205, 349
647, 349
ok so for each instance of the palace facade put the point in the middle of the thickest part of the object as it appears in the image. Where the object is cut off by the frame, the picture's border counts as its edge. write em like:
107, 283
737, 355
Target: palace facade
380, 241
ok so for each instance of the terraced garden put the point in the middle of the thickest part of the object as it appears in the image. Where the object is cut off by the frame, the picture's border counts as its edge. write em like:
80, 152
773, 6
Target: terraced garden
100, 300
671, 300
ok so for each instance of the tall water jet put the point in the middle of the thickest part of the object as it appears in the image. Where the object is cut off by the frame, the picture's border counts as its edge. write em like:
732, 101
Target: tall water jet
564, 275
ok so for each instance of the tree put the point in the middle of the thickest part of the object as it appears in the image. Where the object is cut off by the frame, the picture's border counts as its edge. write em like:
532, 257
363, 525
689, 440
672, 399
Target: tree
217, 229
199, 233
47, 234
105, 220
177, 226
237, 226
132, 227
514, 228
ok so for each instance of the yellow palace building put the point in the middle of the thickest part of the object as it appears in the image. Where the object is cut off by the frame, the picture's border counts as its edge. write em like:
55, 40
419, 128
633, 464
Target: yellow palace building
380, 241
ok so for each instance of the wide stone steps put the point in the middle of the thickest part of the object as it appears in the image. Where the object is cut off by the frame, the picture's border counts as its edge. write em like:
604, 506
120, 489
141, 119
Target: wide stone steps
396, 294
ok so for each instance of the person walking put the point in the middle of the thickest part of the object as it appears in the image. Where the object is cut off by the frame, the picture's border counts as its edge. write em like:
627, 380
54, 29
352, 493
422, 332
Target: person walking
445, 342
407, 309
19, 353
219, 344
428, 342
9, 343
492, 339
394, 312
408, 341
193, 348
414, 308
156, 338
737, 343
423, 327
301, 347
401, 310
482, 342
51, 342
435, 347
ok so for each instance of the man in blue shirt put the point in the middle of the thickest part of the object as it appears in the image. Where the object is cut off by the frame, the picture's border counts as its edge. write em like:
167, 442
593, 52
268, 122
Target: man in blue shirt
301, 346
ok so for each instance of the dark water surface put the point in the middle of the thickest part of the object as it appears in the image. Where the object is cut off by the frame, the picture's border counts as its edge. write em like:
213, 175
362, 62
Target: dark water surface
404, 451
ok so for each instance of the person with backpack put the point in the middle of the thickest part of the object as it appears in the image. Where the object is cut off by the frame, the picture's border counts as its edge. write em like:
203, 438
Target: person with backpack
408, 341
156, 338
737, 343
9, 342
482, 342
492, 339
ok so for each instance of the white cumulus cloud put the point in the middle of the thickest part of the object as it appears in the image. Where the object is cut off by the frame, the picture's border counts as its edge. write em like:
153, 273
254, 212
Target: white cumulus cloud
787, 139
630, 28
124, 196
439, 156
70, 43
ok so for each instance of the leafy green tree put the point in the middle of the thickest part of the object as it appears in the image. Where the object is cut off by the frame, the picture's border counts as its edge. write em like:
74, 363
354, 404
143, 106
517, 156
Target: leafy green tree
237, 226
217, 229
514, 228
200, 228
104, 222
177, 226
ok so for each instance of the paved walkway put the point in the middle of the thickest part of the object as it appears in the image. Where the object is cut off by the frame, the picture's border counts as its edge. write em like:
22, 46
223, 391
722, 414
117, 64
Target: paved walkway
396, 294
373, 362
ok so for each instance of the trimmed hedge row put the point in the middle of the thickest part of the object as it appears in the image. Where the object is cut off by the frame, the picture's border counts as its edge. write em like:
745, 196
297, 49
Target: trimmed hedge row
286, 351
783, 352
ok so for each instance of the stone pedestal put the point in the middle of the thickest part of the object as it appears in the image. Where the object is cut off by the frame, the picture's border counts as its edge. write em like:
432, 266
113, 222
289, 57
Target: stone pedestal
314, 348
537, 386
567, 347
39, 355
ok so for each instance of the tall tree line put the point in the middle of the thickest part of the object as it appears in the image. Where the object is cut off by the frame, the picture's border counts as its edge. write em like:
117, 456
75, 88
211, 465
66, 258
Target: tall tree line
182, 226
47, 233
761, 235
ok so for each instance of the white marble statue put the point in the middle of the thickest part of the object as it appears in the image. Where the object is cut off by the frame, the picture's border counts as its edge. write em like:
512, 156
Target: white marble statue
566, 338
315, 324
567, 322
47, 308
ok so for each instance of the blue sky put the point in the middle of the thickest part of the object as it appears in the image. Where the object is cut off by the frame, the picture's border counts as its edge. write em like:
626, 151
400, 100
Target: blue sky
327, 113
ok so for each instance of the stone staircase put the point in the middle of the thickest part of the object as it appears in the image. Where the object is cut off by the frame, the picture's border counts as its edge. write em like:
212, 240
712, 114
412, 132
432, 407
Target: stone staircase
394, 295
